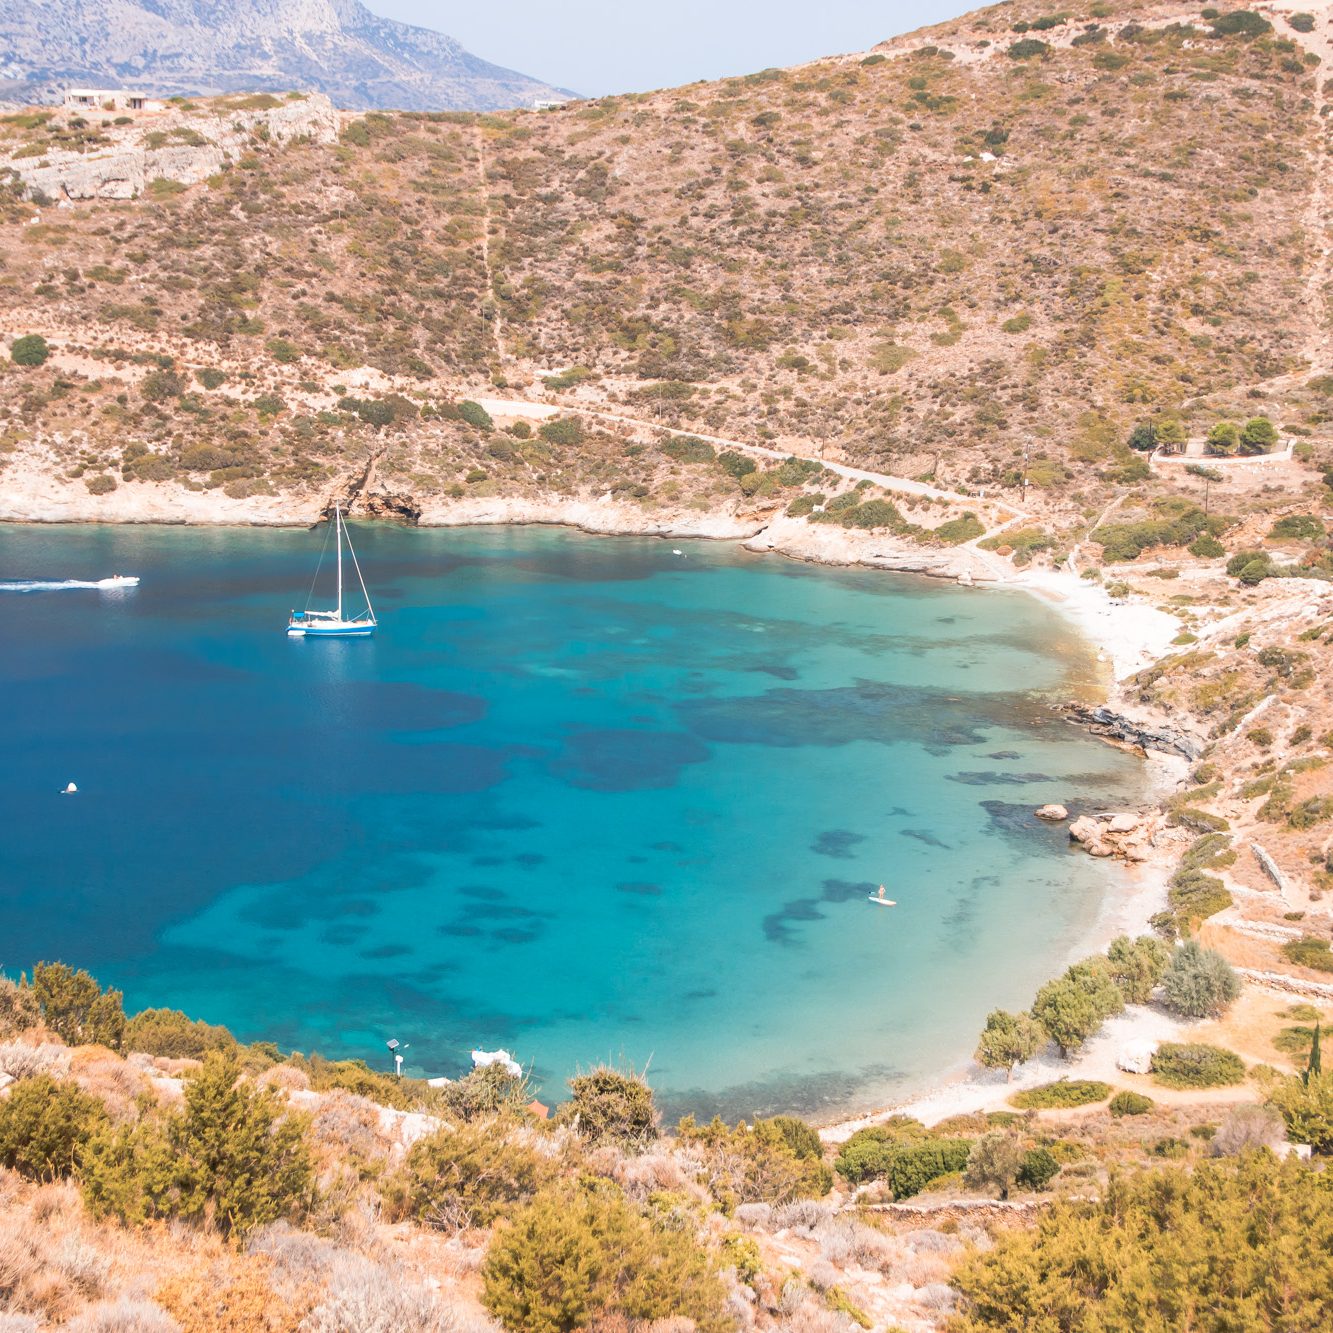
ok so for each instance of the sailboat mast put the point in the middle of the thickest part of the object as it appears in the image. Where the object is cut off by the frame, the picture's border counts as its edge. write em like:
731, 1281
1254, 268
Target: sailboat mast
338, 521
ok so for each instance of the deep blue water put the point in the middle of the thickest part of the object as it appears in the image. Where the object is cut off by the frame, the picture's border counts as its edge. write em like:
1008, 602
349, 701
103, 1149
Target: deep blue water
580, 797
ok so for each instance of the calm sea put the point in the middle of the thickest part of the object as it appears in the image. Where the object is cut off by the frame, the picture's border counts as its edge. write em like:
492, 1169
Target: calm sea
582, 798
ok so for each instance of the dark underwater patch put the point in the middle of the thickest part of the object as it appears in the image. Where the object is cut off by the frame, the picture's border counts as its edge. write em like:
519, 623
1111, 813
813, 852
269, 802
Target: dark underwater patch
994, 779
837, 843
924, 835
608, 759
639, 887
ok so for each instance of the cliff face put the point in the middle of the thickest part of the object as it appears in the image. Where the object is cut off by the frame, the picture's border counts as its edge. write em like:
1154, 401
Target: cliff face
184, 149
197, 47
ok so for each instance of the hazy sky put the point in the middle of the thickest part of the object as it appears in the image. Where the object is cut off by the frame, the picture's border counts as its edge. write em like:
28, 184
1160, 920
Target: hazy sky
606, 46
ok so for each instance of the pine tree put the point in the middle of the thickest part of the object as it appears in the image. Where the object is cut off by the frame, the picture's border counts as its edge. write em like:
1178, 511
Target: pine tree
1314, 1067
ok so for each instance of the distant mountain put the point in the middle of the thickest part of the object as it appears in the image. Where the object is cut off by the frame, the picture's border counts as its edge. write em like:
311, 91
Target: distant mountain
200, 47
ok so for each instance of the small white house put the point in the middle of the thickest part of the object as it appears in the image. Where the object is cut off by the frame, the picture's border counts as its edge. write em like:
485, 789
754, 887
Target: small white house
109, 99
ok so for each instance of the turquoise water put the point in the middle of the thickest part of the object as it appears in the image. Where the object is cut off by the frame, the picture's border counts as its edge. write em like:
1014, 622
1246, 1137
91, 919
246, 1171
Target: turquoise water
581, 798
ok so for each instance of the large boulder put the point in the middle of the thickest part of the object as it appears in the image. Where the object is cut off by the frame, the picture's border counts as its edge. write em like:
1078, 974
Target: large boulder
1054, 814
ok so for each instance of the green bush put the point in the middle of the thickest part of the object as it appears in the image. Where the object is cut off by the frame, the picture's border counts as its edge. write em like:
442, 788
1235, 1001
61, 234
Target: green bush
160, 385
101, 484
283, 351
210, 378
1143, 437
1039, 1168
1251, 567
688, 449
1072, 1007
1130, 1103
1137, 966
456, 1179
871, 514
483, 1092
869, 1153
1300, 527
476, 415
29, 350
1231, 1244
770, 1161
1027, 49
1199, 982
916, 1164
45, 1127
1309, 952
1306, 1106
995, 1162
76, 1008
957, 530
607, 1104
1224, 438
1258, 436
18, 1008
580, 1255
1196, 1065
1008, 1040
1207, 547
1241, 23
566, 431
168, 1032
229, 1156
1302, 22
736, 465
1060, 1095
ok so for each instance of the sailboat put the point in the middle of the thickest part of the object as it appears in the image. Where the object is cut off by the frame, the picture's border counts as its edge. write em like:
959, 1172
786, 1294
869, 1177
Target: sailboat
333, 624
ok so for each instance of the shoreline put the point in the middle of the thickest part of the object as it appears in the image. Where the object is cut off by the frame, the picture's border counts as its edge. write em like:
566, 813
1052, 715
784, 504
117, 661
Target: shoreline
1126, 637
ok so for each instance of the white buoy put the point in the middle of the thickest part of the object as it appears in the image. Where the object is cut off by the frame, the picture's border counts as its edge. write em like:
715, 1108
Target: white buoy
70, 790
677, 552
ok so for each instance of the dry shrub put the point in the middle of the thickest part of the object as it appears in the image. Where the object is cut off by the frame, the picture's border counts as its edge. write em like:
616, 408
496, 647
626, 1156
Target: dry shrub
1247, 1127
349, 1125
213, 1300
351, 1294
123, 1316
755, 1216
650, 1174
285, 1078
107, 1077
848, 1243
801, 1215
17, 1323
30, 1279
19, 1060
920, 1270
800, 1310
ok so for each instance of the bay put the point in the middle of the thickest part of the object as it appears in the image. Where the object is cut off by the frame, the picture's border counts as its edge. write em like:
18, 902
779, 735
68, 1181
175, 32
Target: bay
581, 797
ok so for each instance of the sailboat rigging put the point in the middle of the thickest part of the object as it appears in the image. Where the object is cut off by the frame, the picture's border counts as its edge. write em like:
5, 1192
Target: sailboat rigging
333, 624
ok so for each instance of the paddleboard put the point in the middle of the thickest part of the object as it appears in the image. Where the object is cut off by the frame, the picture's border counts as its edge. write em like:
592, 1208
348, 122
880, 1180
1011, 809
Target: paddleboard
883, 902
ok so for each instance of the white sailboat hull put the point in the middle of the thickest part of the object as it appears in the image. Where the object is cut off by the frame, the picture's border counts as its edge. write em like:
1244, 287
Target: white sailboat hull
309, 624
331, 630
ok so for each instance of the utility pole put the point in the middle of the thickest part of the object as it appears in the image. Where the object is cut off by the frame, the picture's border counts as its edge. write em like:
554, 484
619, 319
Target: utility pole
1025, 472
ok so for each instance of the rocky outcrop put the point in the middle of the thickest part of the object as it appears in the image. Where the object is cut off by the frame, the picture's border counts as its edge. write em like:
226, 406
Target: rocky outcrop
1117, 728
206, 142
1128, 836
1052, 814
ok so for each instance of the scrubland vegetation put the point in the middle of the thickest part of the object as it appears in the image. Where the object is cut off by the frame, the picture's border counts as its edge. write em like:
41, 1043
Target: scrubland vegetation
298, 1193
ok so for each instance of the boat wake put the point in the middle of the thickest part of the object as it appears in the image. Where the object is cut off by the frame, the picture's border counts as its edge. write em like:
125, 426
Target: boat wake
61, 585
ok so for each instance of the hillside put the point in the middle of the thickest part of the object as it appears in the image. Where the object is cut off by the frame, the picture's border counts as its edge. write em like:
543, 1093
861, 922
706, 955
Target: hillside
923, 260
192, 47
